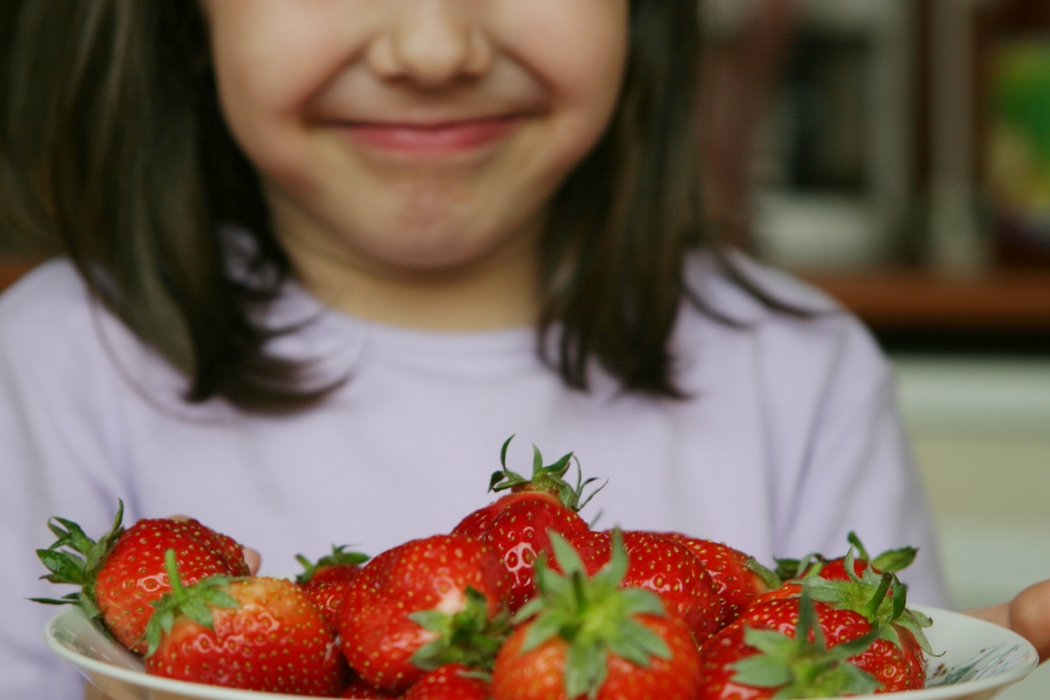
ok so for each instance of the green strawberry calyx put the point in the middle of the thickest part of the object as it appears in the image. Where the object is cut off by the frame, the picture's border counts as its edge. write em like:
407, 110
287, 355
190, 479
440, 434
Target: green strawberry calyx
803, 666
594, 615
881, 598
195, 602
794, 569
74, 558
338, 557
545, 479
768, 577
892, 560
469, 637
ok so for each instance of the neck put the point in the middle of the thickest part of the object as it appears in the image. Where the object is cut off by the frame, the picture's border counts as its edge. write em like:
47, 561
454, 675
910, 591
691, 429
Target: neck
493, 291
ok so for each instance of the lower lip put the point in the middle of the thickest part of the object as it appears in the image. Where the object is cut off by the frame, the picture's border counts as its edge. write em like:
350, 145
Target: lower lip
445, 138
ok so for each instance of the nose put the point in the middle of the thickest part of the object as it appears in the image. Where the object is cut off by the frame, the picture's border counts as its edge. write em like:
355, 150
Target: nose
431, 42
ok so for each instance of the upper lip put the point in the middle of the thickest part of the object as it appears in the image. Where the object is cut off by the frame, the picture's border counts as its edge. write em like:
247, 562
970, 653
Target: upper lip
426, 123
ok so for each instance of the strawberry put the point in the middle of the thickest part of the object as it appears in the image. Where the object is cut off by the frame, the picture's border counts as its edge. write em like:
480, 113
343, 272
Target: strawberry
250, 633
588, 635
517, 524
449, 682
738, 578
122, 573
421, 605
892, 560
664, 567
325, 582
360, 690
882, 600
792, 648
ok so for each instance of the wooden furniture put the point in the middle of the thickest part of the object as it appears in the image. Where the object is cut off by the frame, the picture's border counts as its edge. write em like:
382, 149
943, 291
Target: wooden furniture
13, 266
904, 298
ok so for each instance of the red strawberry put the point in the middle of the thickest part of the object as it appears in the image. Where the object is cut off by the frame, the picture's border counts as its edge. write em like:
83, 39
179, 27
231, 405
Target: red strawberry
420, 605
664, 567
123, 572
792, 648
325, 582
591, 636
738, 578
882, 599
516, 525
449, 682
363, 691
247, 633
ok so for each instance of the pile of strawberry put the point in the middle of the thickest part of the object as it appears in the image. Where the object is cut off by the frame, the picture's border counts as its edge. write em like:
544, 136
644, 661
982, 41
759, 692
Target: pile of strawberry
521, 600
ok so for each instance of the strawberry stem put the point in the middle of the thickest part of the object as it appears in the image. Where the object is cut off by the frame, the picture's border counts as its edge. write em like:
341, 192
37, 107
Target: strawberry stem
855, 541
172, 567
871, 610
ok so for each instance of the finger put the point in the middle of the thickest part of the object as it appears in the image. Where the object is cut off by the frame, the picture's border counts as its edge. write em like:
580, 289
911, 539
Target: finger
253, 559
1030, 617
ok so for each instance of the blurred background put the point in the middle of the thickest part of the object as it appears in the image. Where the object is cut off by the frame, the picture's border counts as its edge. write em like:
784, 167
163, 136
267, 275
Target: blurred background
896, 153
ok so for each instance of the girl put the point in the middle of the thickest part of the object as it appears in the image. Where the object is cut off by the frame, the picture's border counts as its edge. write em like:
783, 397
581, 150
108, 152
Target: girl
322, 257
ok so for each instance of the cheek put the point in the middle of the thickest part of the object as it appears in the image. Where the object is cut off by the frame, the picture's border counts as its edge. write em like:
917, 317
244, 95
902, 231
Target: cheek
261, 91
577, 47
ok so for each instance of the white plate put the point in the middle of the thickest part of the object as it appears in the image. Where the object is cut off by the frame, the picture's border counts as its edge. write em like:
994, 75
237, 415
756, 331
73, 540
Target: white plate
979, 661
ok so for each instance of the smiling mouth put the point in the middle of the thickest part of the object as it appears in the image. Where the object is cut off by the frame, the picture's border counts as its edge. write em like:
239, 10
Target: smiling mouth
435, 138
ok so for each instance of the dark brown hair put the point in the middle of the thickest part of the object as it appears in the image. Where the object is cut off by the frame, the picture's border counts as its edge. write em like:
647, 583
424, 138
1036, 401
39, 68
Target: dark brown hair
114, 145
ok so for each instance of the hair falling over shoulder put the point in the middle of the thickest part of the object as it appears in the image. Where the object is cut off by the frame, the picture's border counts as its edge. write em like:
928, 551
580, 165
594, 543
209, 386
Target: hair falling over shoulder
113, 146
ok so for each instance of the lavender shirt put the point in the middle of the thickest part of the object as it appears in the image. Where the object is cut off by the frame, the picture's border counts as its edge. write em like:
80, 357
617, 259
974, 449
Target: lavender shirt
790, 439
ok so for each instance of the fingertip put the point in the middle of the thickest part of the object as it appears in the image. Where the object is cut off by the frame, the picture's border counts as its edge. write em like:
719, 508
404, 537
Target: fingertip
253, 559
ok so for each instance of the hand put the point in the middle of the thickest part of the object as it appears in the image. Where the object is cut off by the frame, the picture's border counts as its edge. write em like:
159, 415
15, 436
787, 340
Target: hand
1028, 614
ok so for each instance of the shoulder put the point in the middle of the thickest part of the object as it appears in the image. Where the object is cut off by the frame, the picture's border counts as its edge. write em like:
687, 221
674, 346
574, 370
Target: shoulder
811, 344
49, 307
44, 303
720, 284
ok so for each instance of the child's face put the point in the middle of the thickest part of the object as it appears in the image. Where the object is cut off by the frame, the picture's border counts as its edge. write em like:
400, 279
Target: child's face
416, 133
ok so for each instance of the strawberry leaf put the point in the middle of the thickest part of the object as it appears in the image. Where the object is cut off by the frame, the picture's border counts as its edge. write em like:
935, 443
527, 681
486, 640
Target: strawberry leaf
545, 627
75, 558
585, 670
566, 556
645, 641
761, 671
895, 559
858, 545
64, 567
638, 601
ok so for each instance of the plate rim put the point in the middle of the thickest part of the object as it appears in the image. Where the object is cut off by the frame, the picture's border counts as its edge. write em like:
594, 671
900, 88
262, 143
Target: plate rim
212, 692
